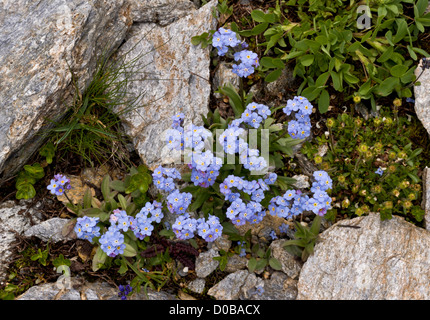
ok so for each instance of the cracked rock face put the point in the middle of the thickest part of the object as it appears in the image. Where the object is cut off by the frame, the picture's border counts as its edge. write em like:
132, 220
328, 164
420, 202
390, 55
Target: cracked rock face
13, 219
174, 77
381, 260
39, 40
162, 12
75, 288
422, 97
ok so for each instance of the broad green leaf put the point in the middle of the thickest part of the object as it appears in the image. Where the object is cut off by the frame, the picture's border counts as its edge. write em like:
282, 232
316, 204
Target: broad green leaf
311, 92
386, 55
258, 16
273, 76
35, 171
402, 30
129, 251
398, 70
275, 264
324, 101
252, 264
259, 28
25, 191
337, 80
98, 259
387, 86
307, 60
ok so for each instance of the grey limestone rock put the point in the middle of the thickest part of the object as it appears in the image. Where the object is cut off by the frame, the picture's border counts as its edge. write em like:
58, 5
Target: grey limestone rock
40, 42
13, 219
381, 260
174, 77
422, 97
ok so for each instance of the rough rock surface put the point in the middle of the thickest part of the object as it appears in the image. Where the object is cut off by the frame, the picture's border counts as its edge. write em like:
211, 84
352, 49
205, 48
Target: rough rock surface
422, 97
290, 265
74, 288
161, 12
13, 219
235, 286
205, 264
40, 40
380, 260
175, 79
426, 197
49, 230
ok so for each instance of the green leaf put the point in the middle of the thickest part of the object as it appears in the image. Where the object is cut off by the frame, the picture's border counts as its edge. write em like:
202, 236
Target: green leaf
387, 86
402, 30
258, 16
307, 60
87, 198
316, 224
61, 261
48, 151
412, 52
337, 80
275, 264
259, 28
324, 101
311, 92
98, 259
105, 187
398, 71
273, 76
117, 185
122, 201
35, 171
201, 198
421, 7
196, 40
234, 98
129, 251
261, 264
25, 191
252, 264
386, 55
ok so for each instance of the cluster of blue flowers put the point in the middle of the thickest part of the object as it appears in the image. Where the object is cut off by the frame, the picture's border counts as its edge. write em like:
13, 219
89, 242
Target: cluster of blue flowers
205, 166
86, 228
124, 291
223, 39
301, 127
112, 241
205, 169
233, 143
254, 114
185, 227
241, 211
163, 178
178, 202
59, 184
294, 202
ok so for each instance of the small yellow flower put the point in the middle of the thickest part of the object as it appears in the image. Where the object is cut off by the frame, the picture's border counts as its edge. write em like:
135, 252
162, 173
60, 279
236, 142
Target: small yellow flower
362, 148
356, 99
397, 102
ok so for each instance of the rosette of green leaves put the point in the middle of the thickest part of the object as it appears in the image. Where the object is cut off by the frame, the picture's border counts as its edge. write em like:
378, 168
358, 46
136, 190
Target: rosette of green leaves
26, 179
